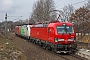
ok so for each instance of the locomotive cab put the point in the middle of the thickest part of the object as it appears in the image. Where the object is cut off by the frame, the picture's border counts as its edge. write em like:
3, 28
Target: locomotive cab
63, 37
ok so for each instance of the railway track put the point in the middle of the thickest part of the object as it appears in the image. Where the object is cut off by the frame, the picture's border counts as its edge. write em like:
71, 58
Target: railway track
70, 56
83, 45
40, 54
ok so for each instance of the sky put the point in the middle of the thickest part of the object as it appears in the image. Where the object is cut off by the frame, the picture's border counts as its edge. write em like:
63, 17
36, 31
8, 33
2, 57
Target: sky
17, 8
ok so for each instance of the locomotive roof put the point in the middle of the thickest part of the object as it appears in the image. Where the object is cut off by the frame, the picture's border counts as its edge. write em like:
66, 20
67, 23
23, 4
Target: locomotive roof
24, 24
60, 23
49, 25
68, 23
52, 24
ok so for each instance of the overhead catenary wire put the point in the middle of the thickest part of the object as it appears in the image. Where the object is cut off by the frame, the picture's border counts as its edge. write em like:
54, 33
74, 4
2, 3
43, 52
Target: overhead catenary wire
78, 2
71, 3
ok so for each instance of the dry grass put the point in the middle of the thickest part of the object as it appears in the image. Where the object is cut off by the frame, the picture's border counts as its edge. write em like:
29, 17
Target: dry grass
83, 38
9, 51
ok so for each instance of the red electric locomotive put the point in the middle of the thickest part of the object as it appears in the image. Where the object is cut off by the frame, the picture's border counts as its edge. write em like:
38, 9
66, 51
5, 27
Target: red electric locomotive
59, 36
17, 30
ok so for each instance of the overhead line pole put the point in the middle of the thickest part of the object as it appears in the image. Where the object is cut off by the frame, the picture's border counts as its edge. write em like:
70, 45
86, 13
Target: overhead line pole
6, 25
5, 31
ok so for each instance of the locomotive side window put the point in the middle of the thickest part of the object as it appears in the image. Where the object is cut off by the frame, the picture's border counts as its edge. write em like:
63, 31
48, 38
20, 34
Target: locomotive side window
65, 29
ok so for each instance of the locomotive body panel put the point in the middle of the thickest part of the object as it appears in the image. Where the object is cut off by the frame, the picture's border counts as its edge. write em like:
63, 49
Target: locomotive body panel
40, 33
23, 30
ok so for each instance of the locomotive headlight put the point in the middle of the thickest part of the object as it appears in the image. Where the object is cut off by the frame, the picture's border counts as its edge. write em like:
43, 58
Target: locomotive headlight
59, 40
56, 39
72, 39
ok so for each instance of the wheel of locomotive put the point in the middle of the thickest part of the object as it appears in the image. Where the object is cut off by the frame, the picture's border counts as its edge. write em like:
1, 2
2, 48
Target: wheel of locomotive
54, 50
34, 41
39, 42
48, 47
44, 46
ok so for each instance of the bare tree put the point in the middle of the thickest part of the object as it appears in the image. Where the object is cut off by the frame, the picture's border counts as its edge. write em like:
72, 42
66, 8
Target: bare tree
87, 5
38, 10
67, 11
81, 19
42, 10
32, 20
48, 7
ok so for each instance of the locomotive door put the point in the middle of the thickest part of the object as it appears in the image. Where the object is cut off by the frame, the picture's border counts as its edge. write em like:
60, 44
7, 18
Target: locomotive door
51, 34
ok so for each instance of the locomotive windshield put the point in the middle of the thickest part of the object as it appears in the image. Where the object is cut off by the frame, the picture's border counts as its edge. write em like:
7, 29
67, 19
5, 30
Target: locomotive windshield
65, 29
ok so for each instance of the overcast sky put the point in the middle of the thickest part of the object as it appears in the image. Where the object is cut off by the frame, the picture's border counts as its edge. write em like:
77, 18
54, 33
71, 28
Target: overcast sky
24, 7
